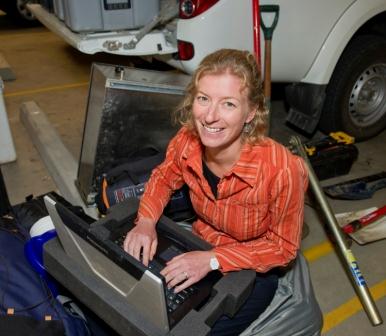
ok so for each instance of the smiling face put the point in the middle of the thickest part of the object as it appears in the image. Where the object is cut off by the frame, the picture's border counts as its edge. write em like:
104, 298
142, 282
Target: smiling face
220, 110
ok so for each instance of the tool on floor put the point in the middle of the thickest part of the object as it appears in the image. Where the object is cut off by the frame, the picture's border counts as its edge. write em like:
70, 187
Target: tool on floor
357, 189
357, 278
371, 232
268, 32
365, 220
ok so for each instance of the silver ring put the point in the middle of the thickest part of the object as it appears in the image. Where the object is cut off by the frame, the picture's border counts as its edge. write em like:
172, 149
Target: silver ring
185, 275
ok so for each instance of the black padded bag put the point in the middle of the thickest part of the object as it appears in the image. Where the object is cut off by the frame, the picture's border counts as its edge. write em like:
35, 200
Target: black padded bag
127, 178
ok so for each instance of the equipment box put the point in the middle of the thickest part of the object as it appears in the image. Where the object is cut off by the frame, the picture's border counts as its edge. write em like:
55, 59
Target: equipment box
334, 161
106, 15
127, 109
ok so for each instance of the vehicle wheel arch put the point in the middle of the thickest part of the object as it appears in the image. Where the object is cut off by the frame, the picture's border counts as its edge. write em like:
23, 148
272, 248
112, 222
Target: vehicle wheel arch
339, 39
305, 114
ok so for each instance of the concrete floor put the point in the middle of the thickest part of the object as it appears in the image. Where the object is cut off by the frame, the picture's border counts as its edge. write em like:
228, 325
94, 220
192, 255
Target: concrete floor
56, 76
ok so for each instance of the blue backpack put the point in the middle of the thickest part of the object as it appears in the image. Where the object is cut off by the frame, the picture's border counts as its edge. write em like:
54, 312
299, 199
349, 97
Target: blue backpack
27, 304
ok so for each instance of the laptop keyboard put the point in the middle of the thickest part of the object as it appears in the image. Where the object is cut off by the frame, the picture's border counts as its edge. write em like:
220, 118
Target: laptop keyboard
173, 300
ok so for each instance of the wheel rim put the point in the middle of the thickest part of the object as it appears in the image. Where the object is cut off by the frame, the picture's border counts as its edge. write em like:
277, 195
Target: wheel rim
367, 103
22, 9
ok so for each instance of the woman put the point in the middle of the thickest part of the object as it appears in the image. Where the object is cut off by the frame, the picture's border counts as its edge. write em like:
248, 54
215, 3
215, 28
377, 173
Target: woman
246, 189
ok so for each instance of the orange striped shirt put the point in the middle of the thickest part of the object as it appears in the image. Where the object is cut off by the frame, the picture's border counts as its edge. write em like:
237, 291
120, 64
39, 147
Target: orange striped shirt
255, 222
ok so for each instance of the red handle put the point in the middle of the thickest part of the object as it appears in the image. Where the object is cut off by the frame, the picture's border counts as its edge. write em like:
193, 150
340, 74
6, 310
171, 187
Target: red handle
256, 30
365, 220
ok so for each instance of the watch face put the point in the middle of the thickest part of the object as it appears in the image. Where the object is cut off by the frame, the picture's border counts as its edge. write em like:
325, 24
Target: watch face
214, 264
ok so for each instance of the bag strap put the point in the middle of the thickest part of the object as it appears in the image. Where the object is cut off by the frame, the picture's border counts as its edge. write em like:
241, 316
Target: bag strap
137, 154
127, 172
145, 151
135, 169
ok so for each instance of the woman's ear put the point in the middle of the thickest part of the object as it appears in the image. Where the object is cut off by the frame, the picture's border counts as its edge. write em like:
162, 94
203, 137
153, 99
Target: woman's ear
251, 115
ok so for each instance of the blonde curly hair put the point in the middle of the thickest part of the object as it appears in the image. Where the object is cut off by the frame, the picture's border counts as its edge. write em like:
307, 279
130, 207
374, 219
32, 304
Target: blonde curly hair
239, 63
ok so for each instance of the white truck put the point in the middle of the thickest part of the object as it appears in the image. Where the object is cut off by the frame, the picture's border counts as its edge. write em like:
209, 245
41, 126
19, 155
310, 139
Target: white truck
331, 52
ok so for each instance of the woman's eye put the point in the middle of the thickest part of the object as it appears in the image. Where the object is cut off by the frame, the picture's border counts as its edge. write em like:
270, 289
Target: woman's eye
202, 99
229, 104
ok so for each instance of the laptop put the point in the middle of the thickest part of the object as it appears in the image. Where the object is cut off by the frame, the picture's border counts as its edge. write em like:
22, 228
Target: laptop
97, 246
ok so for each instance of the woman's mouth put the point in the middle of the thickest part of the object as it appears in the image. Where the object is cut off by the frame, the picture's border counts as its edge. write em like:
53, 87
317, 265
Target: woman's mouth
212, 129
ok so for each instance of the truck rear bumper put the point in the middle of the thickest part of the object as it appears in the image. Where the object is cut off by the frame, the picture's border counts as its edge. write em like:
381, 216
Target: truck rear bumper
113, 42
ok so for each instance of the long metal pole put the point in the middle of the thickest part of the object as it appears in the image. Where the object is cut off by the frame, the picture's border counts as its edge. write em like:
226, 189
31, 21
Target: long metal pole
358, 280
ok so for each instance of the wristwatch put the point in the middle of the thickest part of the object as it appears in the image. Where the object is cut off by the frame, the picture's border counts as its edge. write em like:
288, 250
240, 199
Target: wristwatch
214, 264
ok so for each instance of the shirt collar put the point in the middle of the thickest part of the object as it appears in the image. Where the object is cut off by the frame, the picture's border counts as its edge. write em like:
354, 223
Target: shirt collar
246, 168
193, 154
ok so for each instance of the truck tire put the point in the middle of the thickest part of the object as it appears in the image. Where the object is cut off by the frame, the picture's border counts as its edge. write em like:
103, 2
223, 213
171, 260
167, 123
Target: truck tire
356, 95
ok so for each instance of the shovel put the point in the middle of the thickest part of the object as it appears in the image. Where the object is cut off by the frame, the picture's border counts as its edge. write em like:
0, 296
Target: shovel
268, 32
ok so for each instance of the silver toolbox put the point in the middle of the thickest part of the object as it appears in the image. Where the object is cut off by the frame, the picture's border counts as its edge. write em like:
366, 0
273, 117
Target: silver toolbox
127, 109
106, 15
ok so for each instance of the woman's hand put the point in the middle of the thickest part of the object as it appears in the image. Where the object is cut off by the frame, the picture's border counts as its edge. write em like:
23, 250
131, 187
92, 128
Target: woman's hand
141, 242
186, 269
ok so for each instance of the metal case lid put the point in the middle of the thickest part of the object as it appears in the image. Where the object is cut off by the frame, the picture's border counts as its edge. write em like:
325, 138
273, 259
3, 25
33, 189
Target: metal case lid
127, 109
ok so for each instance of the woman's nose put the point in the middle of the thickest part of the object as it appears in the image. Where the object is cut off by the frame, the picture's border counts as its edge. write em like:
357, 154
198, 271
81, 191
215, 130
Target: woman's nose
212, 113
